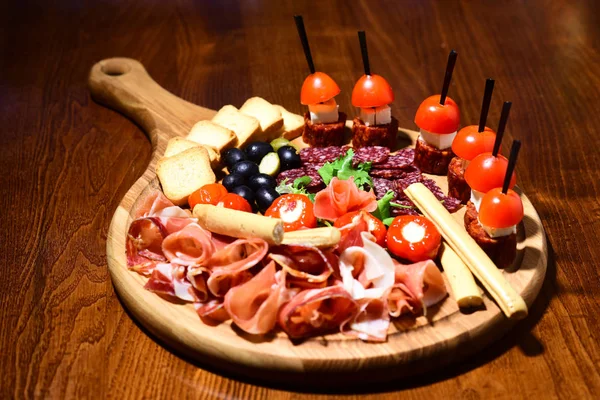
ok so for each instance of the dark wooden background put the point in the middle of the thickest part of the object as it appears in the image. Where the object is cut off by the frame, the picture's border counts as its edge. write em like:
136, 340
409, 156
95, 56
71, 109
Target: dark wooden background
66, 162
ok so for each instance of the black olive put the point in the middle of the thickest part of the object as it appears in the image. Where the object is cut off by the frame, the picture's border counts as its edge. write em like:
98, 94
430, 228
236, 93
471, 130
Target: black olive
245, 168
289, 158
245, 192
265, 196
232, 181
260, 180
255, 151
233, 156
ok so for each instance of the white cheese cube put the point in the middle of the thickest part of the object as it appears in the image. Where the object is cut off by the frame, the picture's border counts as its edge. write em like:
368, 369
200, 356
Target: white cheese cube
476, 197
324, 113
376, 115
498, 232
440, 141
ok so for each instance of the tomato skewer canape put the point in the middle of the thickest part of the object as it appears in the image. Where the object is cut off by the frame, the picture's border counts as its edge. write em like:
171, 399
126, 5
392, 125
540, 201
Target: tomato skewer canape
438, 119
470, 141
323, 123
372, 94
494, 227
487, 170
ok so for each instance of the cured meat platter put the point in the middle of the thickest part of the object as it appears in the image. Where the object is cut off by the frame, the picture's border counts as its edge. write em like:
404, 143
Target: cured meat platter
414, 344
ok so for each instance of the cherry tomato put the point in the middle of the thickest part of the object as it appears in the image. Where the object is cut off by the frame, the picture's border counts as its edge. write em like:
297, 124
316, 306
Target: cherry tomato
318, 88
295, 210
234, 202
434, 117
469, 142
376, 227
413, 238
372, 91
486, 172
499, 210
207, 194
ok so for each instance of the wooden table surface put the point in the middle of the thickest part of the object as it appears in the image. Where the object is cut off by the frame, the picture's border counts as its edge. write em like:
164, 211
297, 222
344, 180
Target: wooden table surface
66, 162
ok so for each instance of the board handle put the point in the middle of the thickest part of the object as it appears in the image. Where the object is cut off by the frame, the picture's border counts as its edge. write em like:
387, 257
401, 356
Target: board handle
124, 85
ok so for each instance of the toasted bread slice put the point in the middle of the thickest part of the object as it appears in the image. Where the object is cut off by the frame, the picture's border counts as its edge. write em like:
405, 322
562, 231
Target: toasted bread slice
267, 114
184, 173
246, 128
177, 145
293, 124
210, 134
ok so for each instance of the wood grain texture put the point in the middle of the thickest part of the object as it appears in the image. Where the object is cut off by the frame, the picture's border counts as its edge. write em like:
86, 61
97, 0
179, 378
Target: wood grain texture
67, 162
413, 346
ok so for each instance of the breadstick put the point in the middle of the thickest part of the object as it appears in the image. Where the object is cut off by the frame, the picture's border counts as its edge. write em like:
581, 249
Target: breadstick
467, 249
317, 237
465, 290
239, 224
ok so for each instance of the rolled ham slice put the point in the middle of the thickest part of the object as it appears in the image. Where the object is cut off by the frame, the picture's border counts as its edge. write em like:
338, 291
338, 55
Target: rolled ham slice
190, 246
303, 262
152, 204
227, 266
212, 312
317, 311
170, 279
424, 281
341, 197
371, 322
253, 306
144, 244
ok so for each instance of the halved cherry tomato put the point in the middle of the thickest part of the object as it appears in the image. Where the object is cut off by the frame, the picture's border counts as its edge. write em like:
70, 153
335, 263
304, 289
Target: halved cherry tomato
499, 210
318, 88
375, 226
295, 210
486, 172
372, 91
413, 238
469, 142
207, 194
234, 202
436, 118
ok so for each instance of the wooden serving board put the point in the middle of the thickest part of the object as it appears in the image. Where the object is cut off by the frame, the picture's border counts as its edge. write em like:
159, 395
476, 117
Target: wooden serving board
414, 345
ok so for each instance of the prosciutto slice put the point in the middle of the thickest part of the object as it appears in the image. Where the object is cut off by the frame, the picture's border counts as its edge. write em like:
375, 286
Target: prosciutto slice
341, 197
144, 244
212, 312
424, 281
371, 322
152, 204
170, 279
228, 266
317, 311
190, 246
253, 306
368, 271
303, 262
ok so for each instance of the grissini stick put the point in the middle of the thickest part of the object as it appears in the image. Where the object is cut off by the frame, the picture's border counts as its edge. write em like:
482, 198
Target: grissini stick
317, 237
239, 224
466, 292
509, 301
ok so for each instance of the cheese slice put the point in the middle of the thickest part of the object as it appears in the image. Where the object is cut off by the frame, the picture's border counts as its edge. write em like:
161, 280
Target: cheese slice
476, 197
324, 113
440, 141
498, 232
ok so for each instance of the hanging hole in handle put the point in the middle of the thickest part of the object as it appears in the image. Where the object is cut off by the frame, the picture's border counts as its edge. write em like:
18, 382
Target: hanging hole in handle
115, 68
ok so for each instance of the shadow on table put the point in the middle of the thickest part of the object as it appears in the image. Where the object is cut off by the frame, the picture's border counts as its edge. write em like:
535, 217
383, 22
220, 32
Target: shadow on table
520, 335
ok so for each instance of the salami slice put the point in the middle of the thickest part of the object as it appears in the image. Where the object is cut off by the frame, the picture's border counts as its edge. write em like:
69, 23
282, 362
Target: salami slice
386, 173
452, 204
373, 154
382, 185
291, 175
402, 159
321, 154
315, 179
408, 209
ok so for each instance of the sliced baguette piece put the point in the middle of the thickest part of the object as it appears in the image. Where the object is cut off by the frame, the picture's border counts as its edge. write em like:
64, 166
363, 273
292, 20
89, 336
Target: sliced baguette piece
293, 124
177, 145
208, 133
246, 128
267, 114
184, 173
